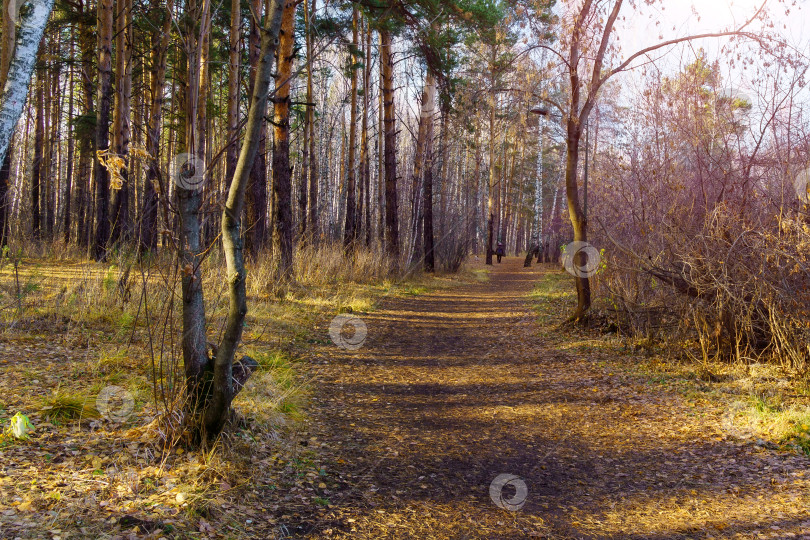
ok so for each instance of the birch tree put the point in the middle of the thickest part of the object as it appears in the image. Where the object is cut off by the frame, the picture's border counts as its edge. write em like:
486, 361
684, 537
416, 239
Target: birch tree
31, 21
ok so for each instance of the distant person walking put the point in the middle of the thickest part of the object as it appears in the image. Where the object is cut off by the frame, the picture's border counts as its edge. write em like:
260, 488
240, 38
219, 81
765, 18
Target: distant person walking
499, 251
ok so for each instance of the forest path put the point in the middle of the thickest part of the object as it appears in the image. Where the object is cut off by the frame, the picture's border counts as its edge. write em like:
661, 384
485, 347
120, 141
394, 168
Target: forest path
451, 389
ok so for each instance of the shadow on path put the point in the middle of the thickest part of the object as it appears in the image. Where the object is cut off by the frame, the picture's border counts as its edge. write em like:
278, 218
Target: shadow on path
453, 388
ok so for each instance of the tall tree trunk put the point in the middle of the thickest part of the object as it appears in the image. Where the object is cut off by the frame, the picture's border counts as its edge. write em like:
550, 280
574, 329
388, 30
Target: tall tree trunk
428, 114
9, 32
303, 186
391, 206
578, 221
68, 192
189, 199
232, 154
475, 223
121, 122
161, 22
256, 198
574, 123
425, 125
313, 158
338, 206
54, 123
84, 220
282, 172
380, 154
427, 203
365, 163
5, 174
50, 171
504, 202
36, 168
490, 209
349, 230
361, 186
443, 169
201, 117
101, 175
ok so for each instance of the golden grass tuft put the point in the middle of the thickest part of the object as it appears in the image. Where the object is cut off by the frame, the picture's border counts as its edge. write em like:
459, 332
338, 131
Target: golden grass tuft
62, 405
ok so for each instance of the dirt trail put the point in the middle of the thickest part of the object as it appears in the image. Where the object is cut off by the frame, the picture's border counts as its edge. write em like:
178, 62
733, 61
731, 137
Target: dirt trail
453, 388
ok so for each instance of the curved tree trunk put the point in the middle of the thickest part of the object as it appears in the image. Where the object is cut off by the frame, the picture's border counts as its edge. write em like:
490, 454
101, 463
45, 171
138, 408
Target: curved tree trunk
228, 379
578, 221
574, 122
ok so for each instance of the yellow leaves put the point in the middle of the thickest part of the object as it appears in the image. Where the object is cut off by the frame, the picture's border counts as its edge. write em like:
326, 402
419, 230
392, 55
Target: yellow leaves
27, 506
140, 153
116, 164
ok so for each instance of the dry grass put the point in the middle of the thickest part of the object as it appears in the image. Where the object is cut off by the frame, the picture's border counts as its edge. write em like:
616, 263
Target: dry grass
79, 327
61, 406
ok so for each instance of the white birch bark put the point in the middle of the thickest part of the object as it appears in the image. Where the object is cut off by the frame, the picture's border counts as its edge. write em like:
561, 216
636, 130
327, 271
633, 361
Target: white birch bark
12, 100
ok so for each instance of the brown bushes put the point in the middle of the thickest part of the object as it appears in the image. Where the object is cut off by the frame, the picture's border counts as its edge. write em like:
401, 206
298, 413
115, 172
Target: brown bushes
740, 290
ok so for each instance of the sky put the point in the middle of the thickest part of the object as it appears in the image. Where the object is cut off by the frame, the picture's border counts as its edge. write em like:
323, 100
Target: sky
678, 18
675, 18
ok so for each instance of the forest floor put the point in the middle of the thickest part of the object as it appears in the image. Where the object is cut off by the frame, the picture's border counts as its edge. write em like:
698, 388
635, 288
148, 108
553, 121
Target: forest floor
453, 388
452, 383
